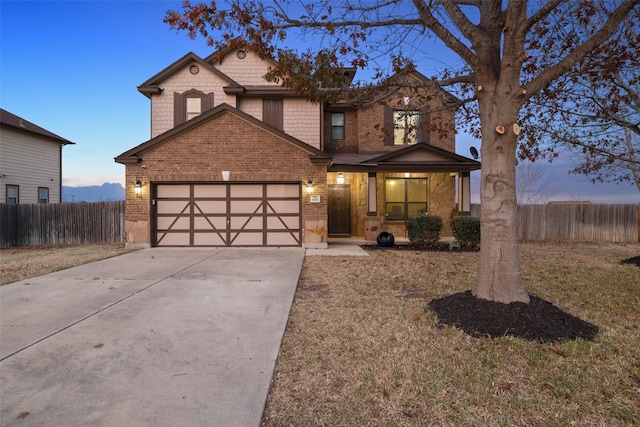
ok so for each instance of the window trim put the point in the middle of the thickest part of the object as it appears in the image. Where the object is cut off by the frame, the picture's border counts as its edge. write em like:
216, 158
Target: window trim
406, 203
17, 197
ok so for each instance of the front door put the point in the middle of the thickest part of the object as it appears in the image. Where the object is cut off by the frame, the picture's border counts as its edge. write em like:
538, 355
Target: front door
339, 204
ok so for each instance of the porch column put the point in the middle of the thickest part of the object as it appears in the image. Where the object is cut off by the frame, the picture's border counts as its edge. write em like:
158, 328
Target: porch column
372, 221
372, 195
464, 193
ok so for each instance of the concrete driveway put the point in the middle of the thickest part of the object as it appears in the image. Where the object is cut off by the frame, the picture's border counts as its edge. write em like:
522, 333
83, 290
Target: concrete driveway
159, 337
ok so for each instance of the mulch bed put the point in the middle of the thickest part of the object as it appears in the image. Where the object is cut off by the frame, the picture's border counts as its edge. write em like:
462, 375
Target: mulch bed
633, 261
439, 247
538, 321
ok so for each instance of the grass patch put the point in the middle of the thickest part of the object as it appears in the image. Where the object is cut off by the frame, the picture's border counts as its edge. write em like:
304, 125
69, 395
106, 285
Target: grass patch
24, 262
360, 348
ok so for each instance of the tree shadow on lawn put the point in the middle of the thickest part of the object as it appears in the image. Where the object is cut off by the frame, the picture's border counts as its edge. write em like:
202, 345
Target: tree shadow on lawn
537, 321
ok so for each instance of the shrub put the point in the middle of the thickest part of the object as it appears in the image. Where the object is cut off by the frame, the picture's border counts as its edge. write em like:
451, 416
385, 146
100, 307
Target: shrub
466, 230
424, 229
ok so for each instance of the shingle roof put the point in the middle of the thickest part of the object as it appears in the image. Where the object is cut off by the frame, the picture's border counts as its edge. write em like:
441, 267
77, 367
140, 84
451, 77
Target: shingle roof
11, 120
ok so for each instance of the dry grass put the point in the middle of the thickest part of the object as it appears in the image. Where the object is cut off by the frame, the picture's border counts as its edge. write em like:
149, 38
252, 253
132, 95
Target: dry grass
24, 262
360, 348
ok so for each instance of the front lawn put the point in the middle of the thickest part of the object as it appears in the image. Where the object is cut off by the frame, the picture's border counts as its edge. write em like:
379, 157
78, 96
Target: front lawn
362, 347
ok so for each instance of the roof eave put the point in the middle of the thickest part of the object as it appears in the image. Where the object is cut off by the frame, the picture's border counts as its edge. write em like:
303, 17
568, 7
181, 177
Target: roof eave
128, 160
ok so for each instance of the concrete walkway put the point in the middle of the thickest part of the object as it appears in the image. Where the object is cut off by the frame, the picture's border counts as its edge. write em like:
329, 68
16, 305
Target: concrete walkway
159, 337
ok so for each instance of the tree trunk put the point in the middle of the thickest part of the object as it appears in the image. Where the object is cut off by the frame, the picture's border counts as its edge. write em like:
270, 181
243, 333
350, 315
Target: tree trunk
500, 278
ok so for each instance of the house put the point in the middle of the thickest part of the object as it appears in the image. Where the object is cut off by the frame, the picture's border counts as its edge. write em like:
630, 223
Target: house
30, 162
235, 160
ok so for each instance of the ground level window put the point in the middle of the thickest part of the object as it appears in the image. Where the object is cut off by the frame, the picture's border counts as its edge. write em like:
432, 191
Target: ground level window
13, 192
405, 197
43, 195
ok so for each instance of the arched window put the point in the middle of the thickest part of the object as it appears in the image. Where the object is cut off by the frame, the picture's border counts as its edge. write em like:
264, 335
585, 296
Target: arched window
190, 104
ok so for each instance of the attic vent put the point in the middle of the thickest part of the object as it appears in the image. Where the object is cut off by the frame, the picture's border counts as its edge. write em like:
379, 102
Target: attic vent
194, 69
241, 54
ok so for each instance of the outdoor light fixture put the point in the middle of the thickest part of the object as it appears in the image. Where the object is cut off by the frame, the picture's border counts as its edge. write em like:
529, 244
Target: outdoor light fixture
310, 187
340, 178
138, 186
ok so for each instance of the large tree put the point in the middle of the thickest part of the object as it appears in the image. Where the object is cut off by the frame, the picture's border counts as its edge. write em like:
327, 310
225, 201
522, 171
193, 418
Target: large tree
510, 51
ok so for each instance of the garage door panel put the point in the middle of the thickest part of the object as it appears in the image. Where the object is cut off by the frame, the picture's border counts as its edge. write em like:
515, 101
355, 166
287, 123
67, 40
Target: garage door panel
283, 223
246, 223
281, 239
247, 239
210, 223
208, 239
173, 191
210, 190
283, 190
173, 223
246, 206
174, 239
211, 206
284, 206
246, 190
172, 206
229, 214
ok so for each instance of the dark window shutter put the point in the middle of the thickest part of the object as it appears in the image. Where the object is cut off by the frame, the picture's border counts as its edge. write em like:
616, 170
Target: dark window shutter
425, 126
388, 125
179, 114
272, 113
207, 102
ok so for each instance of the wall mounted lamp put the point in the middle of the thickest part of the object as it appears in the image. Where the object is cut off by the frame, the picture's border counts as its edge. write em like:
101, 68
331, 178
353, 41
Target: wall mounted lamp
340, 178
138, 187
310, 187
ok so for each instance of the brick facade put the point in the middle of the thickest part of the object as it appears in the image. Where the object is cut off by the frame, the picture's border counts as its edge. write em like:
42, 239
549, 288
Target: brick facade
201, 154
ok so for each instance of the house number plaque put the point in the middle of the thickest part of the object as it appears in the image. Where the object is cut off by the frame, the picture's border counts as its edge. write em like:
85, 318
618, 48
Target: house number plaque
314, 199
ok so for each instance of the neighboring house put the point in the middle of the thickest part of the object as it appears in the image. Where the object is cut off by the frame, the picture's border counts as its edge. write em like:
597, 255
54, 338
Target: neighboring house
30, 162
234, 160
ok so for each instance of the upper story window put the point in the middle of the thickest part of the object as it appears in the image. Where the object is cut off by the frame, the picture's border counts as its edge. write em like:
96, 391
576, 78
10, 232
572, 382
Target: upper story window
337, 125
194, 107
405, 127
13, 194
43, 195
190, 104
405, 197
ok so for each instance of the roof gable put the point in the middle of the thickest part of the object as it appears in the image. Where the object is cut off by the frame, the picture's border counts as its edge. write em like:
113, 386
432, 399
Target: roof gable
420, 152
12, 121
151, 85
134, 155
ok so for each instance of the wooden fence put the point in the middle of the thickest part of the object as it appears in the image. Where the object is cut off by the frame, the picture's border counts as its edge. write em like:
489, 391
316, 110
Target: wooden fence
61, 223
577, 222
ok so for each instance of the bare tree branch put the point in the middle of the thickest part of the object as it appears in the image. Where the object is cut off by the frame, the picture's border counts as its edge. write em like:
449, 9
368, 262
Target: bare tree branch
571, 59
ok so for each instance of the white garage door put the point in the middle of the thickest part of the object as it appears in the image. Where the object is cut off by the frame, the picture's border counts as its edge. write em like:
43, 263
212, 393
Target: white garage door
229, 214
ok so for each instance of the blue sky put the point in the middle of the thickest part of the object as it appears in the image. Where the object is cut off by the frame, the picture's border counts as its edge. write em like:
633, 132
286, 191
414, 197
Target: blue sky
73, 67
